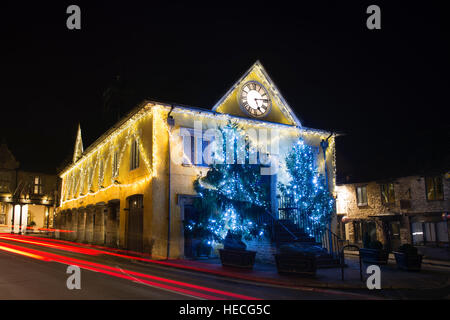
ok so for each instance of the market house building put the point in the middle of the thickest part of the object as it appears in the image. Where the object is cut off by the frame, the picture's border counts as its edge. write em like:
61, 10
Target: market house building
127, 190
412, 209
27, 198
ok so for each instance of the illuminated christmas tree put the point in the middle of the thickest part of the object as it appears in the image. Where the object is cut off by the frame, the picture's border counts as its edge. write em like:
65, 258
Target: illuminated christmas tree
231, 194
307, 188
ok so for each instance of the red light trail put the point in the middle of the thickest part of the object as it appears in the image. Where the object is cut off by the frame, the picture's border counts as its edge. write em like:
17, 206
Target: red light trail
158, 282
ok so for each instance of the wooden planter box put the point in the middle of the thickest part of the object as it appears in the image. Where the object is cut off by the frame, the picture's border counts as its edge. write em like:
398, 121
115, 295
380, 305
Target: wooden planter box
296, 264
237, 258
374, 256
410, 262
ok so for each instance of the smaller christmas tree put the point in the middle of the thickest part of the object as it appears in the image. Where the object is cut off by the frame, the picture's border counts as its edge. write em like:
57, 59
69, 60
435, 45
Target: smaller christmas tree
307, 188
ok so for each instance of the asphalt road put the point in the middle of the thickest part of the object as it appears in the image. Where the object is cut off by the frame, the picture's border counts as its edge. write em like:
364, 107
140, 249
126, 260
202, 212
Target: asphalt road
33, 268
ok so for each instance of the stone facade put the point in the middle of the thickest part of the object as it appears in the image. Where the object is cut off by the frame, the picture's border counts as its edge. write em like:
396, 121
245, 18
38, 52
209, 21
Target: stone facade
410, 205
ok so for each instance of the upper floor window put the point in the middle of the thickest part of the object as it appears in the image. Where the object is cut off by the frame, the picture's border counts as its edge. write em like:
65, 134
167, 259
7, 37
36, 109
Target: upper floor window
101, 173
90, 178
4, 183
115, 164
134, 155
434, 188
387, 193
361, 195
194, 146
37, 185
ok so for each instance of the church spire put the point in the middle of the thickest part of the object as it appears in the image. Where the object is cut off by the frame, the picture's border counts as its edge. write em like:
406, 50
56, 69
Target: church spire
78, 151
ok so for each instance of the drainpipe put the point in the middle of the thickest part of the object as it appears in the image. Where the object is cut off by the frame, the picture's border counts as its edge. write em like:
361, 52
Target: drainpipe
13, 212
13, 203
20, 220
324, 145
171, 123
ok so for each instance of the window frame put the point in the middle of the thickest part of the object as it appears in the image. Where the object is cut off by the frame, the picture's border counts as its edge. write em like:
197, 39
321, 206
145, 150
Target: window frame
434, 188
358, 203
115, 164
134, 155
37, 185
389, 200
193, 159
101, 172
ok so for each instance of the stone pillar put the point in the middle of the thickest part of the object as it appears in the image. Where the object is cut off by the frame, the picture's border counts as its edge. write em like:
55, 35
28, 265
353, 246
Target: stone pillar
63, 225
99, 224
57, 224
112, 224
74, 229
81, 229
89, 224
68, 226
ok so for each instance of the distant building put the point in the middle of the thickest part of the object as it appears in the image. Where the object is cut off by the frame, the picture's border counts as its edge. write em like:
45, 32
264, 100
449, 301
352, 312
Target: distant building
26, 197
412, 209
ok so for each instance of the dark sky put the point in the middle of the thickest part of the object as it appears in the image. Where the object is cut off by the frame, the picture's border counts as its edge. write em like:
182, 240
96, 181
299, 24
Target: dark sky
386, 89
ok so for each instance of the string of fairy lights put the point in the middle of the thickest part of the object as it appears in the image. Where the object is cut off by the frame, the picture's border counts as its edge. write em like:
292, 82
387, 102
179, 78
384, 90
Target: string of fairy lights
74, 176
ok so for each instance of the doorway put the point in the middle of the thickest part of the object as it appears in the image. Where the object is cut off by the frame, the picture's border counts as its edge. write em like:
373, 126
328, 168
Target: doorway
135, 223
391, 230
190, 217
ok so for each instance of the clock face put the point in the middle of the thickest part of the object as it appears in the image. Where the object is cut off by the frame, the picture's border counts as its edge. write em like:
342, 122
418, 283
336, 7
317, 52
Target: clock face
254, 99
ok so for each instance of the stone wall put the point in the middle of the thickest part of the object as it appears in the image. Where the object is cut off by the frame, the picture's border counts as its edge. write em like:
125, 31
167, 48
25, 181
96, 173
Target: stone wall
264, 250
411, 189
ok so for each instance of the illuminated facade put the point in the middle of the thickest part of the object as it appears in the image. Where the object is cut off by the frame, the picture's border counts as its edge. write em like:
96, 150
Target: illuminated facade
27, 199
133, 187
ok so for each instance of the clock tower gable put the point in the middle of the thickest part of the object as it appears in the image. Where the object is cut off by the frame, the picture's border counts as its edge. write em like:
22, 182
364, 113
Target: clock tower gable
256, 96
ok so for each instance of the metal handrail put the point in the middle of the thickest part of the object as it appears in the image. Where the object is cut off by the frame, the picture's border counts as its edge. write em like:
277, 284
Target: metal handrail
334, 248
286, 228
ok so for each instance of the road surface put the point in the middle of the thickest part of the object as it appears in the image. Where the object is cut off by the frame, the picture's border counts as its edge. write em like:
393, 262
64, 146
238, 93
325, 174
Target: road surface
36, 268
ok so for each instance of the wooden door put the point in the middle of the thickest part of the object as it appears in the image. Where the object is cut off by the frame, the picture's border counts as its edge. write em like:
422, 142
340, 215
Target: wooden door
135, 223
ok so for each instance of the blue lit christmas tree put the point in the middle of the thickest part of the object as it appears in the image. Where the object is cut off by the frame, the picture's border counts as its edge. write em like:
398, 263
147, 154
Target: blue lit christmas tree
307, 188
232, 195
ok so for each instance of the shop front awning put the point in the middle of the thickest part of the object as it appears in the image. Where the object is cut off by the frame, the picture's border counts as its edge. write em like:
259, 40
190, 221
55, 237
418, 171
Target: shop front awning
393, 216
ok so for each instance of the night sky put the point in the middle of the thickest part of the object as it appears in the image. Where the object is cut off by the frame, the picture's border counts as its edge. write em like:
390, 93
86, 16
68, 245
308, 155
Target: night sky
387, 89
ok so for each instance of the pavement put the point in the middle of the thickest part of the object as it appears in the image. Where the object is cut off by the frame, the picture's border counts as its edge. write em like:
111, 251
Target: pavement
430, 277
